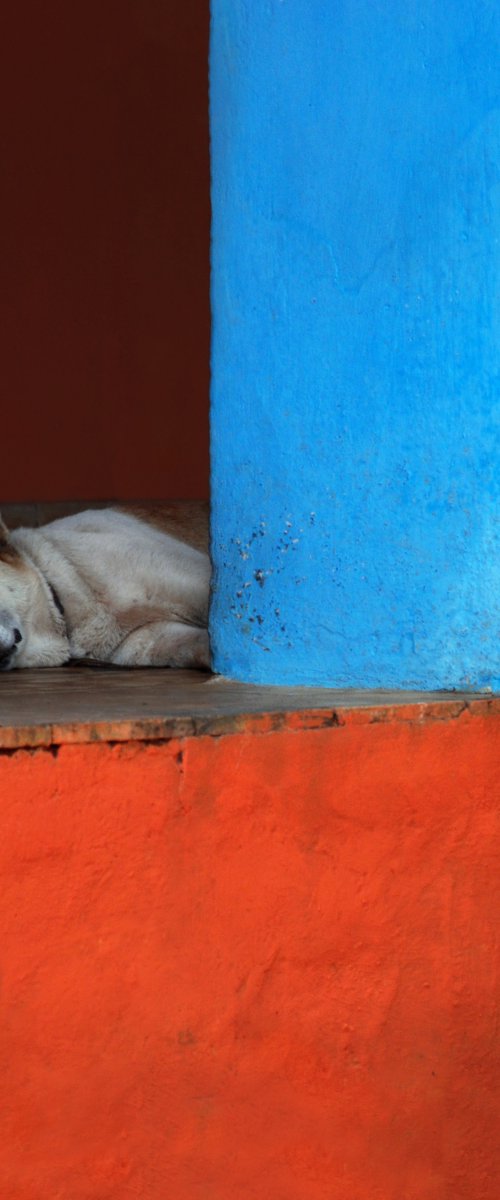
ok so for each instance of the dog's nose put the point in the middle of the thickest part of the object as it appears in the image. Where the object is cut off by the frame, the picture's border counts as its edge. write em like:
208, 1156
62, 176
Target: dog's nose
18, 637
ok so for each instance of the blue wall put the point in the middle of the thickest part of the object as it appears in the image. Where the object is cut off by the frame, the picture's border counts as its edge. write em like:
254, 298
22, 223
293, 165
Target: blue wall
356, 343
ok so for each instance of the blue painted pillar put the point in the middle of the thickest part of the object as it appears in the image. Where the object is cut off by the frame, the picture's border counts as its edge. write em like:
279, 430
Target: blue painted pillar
356, 343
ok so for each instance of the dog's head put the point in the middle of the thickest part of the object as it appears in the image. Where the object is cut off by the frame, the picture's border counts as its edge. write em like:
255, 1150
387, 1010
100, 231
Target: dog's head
30, 629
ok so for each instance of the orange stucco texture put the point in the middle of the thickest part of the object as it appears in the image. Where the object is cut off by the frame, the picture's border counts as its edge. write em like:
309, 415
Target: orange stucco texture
253, 967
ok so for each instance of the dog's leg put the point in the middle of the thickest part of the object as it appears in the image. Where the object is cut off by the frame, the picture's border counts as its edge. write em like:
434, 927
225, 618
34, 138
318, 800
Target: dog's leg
164, 644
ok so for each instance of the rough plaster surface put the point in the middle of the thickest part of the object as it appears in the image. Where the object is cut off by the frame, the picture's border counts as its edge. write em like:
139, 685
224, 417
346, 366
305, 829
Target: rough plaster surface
254, 966
356, 361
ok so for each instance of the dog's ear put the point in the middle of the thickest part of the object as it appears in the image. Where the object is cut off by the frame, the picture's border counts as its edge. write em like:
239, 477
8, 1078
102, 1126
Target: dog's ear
8, 552
4, 533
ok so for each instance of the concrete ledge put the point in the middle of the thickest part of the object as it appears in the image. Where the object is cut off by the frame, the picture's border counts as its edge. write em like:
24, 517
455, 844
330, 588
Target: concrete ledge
84, 704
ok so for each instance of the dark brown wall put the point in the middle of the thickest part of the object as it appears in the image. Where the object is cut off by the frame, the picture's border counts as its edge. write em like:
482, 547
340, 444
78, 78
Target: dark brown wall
104, 325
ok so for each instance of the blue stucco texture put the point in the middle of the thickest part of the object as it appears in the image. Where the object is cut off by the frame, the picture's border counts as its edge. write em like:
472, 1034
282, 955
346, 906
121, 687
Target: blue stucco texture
356, 342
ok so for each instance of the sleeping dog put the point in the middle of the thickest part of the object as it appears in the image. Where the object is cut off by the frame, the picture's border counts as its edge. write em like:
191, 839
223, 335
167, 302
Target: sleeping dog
105, 585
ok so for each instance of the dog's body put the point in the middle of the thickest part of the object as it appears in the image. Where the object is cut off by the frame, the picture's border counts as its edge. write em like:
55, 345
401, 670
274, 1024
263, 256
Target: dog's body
103, 585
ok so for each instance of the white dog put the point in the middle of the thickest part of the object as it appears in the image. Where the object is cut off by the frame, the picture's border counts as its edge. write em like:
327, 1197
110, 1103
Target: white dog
103, 585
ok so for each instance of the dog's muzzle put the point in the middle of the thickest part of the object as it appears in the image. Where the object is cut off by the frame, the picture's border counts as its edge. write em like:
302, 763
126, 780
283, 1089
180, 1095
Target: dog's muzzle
10, 639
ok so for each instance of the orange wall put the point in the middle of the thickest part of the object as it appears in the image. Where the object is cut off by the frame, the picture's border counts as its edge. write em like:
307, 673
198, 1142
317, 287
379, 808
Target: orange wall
105, 226
253, 966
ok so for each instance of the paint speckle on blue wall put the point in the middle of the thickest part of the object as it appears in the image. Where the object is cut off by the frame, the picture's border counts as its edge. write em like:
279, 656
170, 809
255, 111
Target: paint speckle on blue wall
356, 342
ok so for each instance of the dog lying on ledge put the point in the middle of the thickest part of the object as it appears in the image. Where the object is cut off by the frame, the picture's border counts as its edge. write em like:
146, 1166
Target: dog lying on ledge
105, 585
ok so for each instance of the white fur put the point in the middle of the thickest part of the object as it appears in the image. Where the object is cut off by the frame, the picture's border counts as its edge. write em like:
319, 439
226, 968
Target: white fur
131, 594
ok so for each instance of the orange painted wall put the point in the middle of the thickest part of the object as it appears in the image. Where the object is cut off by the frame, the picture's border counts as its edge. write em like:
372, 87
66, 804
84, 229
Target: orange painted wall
104, 208
254, 966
